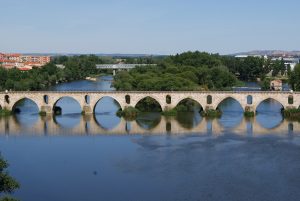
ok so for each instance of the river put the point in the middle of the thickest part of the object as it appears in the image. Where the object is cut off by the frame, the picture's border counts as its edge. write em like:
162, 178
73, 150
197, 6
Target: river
104, 157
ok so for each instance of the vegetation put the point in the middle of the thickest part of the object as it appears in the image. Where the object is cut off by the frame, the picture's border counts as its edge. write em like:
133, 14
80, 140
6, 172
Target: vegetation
199, 71
249, 114
293, 114
77, 67
294, 78
148, 104
171, 112
187, 71
5, 112
186, 105
210, 113
7, 183
129, 113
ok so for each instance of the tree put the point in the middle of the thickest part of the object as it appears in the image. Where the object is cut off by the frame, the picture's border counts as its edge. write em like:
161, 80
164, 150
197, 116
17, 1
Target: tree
7, 183
276, 67
294, 78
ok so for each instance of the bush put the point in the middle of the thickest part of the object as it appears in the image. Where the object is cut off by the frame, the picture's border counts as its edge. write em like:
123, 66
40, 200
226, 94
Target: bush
5, 112
172, 112
129, 113
292, 113
249, 114
211, 113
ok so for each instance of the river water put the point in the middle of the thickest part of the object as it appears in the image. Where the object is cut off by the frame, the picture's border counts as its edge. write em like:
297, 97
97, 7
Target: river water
104, 157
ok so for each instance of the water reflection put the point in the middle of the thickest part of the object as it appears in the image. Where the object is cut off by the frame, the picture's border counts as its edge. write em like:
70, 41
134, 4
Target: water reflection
150, 123
232, 113
269, 113
105, 113
26, 112
189, 119
148, 120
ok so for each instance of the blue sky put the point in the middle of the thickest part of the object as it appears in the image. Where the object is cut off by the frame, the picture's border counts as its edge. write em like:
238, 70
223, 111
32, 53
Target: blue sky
151, 27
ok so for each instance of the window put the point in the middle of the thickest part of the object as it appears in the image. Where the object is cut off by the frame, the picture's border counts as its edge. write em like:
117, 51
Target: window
87, 99
168, 99
7, 99
291, 99
127, 99
46, 99
209, 99
249, 100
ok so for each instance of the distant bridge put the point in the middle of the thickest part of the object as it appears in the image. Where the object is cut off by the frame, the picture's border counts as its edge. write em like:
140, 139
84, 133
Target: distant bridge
249, 100
115, 67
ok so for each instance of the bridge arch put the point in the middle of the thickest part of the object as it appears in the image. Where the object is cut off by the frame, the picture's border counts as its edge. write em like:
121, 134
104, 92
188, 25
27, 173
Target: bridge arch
70, 99
270, 99
105, 97
156, 101
15, 104
189, 98
218, 104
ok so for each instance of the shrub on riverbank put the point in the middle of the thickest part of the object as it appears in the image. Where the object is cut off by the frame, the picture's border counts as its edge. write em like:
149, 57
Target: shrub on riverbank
171, 112
5, 112
211, 113
129, 113
293, 114
249, 114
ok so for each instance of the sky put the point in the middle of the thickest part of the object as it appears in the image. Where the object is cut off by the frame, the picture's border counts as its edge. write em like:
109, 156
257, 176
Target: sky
148, 26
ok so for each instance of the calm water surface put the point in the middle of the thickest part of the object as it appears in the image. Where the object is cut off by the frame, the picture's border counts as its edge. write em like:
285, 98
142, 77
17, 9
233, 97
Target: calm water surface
104, 157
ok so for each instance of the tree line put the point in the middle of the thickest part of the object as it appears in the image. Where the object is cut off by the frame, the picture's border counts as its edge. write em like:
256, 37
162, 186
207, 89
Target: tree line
200, 71
76, 68
186, 71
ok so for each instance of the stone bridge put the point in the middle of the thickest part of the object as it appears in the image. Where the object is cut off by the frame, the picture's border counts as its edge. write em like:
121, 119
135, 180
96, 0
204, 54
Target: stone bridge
46, 100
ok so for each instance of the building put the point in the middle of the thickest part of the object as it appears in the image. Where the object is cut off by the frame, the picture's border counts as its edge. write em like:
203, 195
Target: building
291, 61
276, 85
287, 61
9, 61
35, 59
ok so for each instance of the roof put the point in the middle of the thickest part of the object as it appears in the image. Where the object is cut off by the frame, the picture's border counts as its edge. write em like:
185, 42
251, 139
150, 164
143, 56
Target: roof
24, 69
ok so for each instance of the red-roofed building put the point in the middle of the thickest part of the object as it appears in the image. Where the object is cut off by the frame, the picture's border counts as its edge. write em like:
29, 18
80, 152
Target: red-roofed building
24, 69
18, 60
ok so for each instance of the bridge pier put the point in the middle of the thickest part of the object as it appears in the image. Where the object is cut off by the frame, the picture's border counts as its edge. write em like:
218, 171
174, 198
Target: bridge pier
88, 110
46, 109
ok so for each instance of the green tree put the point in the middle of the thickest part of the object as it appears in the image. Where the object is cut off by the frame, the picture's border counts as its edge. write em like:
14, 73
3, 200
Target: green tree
294, 78
7, 183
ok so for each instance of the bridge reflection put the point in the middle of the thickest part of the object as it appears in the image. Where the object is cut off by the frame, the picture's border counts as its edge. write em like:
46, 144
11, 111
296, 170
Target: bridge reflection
88, 125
